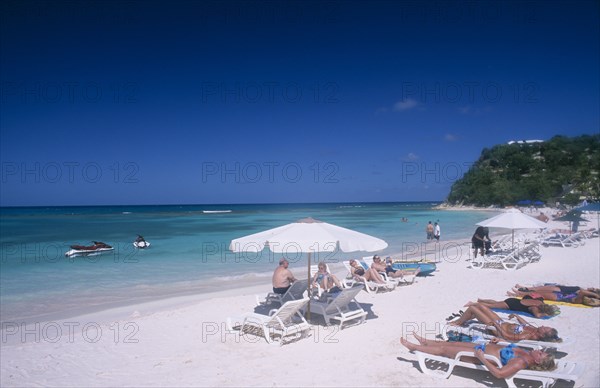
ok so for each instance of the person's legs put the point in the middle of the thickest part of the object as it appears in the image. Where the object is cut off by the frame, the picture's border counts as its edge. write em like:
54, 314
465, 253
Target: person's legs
375, 276
493, 304
544, 288
548, 295
439, 348
335, 281
488, 315
396, 274
479, 312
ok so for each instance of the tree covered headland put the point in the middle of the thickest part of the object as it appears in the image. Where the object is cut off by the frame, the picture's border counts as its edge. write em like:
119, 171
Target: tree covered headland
562, 169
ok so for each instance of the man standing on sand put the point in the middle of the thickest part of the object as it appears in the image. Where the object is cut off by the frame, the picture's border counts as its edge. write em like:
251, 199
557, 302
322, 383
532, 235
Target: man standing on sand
436, 231
429, 231
282, 277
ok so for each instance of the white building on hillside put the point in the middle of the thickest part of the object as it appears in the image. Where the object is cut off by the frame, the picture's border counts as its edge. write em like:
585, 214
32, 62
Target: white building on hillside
525, 141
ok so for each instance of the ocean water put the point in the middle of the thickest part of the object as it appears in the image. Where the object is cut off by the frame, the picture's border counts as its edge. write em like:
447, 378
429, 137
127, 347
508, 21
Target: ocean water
188, 253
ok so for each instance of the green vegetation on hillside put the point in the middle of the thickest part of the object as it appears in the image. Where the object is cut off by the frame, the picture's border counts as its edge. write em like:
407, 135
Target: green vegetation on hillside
561, 169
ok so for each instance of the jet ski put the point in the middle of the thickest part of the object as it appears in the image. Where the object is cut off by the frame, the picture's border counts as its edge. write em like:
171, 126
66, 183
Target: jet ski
90, 250
140, 243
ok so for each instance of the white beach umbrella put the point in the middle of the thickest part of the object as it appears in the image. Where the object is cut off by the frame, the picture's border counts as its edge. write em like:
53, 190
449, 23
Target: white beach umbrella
308, 236
513, 219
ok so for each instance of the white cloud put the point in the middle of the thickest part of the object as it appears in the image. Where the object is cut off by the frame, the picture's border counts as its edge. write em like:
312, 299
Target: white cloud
407, 104
411, 156
450, 137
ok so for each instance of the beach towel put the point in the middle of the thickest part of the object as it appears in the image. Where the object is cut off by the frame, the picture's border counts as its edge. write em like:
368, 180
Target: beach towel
565, 303
520, 313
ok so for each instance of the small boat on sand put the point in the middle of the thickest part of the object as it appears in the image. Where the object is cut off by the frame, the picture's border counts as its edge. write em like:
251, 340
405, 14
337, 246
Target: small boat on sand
425, 268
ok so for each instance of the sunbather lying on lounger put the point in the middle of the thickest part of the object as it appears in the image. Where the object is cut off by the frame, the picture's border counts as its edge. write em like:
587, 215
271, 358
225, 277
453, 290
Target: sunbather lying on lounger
568, 294
506, 330
324, 279
360, 274
513, 358
386, 267
535, 307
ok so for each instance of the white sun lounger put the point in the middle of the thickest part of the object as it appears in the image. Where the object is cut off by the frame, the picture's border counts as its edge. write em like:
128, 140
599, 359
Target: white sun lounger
337, 308
475, 328
510, 260
295, 292
569, 371
565, 240
404, 280
369, 286
280, 323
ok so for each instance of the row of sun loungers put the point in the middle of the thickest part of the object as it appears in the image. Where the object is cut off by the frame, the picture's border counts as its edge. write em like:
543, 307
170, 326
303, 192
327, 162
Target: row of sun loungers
526, 251
504, 257
288, 321
443, 367
569, 240
508, 259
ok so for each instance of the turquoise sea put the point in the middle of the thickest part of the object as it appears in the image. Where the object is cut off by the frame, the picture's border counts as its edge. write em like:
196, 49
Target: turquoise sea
189, 252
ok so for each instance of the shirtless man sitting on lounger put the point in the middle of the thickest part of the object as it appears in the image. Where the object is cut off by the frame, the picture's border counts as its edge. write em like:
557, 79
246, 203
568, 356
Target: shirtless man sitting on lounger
282, 277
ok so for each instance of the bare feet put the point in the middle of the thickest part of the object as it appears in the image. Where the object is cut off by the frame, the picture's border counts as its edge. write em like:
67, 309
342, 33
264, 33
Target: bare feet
408, 345
421, 340
454, 323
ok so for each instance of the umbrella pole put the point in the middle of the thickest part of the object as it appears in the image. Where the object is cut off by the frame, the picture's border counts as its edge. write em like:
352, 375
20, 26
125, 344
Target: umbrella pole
513, 238
308, 290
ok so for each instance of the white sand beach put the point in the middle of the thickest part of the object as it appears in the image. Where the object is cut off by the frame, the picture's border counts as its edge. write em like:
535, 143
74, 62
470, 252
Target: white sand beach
183, 341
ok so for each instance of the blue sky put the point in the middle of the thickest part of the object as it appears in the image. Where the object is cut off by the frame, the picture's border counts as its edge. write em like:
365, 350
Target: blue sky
252, 102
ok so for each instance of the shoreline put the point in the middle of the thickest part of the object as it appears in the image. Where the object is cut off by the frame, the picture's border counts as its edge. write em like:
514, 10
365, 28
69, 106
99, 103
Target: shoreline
426, 250
183, 342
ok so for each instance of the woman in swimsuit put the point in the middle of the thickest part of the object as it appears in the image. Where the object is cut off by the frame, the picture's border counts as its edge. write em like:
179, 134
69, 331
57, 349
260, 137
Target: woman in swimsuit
568, 294
360, 274
324, 279
513, 359
506, 330
535, 307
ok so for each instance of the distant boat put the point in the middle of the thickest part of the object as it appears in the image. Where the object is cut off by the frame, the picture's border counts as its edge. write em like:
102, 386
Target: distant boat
140, 242
91, 250
215, 211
